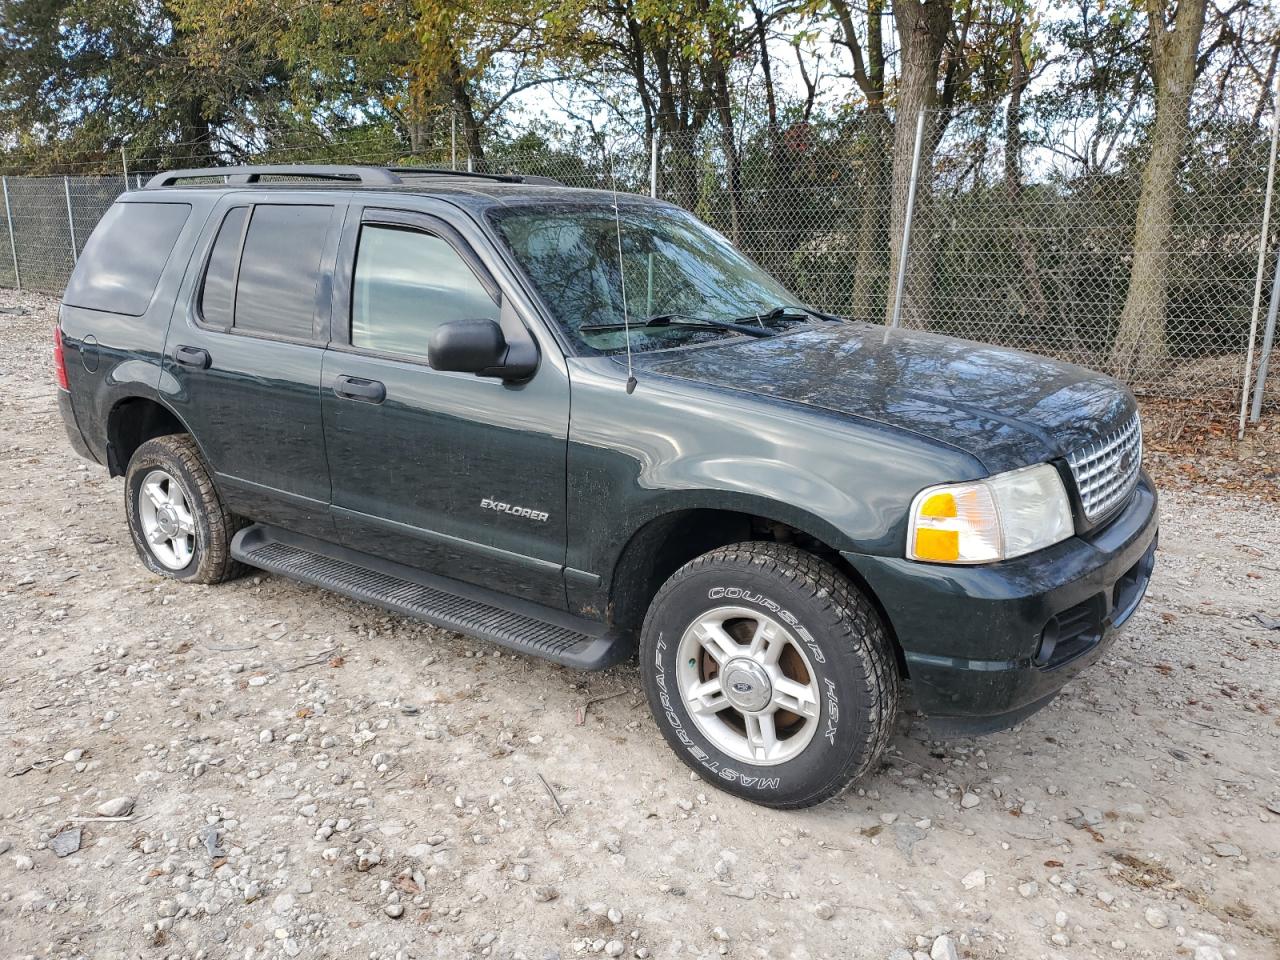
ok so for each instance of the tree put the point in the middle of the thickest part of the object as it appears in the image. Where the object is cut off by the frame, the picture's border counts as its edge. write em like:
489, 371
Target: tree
80, 79
1140, 343
875, 149
923, 27
1019, 76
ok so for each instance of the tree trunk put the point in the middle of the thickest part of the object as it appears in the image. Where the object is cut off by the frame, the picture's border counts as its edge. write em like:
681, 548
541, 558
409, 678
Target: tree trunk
870, 281
466, 107
766, 66
1140, 345
922, 32
733, 172
679, 119
1037, 305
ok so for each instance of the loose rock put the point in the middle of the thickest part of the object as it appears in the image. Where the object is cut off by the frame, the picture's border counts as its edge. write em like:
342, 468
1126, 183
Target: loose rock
116, 807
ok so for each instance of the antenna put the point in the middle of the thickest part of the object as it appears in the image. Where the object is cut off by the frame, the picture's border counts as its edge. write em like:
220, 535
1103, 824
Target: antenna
622, 272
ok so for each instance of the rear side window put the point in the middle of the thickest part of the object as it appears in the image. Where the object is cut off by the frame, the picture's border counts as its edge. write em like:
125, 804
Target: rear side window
124, 257
218, 293
407, 283
279, 270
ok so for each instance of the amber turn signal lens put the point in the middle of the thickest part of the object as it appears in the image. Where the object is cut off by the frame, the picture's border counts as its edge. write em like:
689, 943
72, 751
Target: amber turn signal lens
941, 546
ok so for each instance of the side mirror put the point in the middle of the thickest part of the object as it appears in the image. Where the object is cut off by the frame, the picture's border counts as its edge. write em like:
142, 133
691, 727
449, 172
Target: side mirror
479, 347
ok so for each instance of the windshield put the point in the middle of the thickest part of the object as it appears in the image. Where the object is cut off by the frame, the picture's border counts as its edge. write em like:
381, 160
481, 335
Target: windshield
673, 267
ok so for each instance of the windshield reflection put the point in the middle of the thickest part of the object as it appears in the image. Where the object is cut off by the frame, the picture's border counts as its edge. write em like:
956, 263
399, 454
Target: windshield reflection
670, 264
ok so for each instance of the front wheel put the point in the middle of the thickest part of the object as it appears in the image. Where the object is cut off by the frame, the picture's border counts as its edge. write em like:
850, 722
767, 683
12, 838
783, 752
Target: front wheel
769, 673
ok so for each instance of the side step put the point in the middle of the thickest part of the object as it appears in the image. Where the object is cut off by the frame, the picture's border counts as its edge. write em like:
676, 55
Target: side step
517, 624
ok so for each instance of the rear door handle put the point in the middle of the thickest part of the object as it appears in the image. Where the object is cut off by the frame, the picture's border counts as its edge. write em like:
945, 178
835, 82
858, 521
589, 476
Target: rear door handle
192, 357
358, 388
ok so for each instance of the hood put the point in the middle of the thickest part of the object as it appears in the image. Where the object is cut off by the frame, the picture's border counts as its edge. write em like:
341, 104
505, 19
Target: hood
1005, 407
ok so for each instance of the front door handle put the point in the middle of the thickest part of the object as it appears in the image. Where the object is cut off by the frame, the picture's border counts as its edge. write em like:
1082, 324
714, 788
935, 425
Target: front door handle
192, 357
358, 388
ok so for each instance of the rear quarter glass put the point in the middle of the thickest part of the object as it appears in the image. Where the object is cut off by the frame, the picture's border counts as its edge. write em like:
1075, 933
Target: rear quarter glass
125, 256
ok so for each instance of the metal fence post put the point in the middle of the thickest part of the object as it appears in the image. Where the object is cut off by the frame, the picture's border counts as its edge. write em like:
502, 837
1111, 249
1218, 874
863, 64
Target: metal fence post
13, 243
653, 168
1262, 260
1268, 340
906, 225
124, 162
71, 220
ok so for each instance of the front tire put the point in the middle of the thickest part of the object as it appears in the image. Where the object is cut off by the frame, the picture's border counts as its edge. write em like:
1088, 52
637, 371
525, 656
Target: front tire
179, 525
769, 674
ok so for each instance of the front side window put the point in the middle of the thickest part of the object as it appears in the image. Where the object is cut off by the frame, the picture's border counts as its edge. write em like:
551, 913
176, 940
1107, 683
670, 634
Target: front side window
671, 266
279, 270
407, 283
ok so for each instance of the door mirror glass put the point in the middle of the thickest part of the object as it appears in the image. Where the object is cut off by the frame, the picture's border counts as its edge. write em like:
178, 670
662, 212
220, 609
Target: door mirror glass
467, 346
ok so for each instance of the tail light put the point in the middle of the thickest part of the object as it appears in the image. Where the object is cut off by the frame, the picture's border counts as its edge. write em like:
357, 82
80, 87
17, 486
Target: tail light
59, 361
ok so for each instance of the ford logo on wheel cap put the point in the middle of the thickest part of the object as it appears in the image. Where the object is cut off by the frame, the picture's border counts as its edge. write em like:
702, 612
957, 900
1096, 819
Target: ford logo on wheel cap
742, 687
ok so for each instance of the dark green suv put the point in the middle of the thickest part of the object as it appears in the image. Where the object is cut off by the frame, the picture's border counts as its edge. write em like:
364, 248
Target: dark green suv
577, 423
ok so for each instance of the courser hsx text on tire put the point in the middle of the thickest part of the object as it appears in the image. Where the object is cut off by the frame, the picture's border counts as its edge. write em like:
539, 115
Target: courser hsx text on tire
769, 673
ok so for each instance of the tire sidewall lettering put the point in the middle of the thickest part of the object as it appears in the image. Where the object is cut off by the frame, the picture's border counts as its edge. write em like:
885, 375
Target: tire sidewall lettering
717, 767
758, 599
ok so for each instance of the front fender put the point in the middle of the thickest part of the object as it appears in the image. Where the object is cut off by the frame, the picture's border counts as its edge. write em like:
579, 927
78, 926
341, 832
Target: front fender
673, 446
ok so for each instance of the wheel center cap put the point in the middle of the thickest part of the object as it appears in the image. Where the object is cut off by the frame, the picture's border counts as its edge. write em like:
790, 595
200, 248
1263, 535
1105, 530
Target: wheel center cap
746, 685
167, 521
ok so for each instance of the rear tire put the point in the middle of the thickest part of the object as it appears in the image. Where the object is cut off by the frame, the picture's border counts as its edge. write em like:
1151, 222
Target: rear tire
179, 525
769, 674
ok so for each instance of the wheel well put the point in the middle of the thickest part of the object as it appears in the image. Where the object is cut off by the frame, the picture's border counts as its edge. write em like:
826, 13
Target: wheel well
667, 543
131, 424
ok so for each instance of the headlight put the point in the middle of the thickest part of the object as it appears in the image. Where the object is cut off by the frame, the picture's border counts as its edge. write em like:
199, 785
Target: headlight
998, 518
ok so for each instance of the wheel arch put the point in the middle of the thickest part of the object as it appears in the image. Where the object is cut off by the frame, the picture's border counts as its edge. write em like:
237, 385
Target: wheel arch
132, 421
669, 540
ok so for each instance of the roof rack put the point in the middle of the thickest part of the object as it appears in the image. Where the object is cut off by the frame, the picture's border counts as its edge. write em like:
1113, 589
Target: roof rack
253, 174
364, 175
499, 177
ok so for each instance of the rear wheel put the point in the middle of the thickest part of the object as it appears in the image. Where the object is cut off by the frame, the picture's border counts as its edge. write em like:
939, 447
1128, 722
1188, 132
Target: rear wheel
769, 673
180, 526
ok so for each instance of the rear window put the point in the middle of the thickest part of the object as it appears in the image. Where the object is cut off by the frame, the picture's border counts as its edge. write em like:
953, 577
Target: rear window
124, 257
279, 270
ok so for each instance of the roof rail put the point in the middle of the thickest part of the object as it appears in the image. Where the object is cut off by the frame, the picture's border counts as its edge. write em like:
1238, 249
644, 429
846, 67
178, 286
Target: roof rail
365, 175
379, 176
499, 177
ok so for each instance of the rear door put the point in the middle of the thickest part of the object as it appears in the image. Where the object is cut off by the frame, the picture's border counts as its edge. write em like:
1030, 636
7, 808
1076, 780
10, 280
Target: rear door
455, 474
242, 367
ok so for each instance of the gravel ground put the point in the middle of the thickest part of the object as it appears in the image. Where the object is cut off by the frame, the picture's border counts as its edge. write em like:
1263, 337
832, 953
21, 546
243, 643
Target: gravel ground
262, 769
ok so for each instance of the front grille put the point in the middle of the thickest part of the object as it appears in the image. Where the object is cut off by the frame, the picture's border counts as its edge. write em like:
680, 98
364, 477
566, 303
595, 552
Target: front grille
1107, 469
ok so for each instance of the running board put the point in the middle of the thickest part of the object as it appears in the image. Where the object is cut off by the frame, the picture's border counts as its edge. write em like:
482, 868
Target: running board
510, 622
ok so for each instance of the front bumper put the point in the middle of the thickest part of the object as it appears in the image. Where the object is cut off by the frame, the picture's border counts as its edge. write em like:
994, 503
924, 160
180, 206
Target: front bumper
987, 646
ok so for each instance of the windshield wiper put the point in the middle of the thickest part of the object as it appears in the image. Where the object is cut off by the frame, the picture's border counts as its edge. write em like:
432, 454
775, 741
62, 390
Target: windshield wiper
796, 312
680, 321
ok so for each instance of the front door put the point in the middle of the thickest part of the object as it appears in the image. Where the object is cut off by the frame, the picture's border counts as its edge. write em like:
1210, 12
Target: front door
458, 475
242, 364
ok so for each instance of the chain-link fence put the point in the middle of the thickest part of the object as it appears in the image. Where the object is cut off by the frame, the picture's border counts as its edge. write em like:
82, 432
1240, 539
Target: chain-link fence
1034, 249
